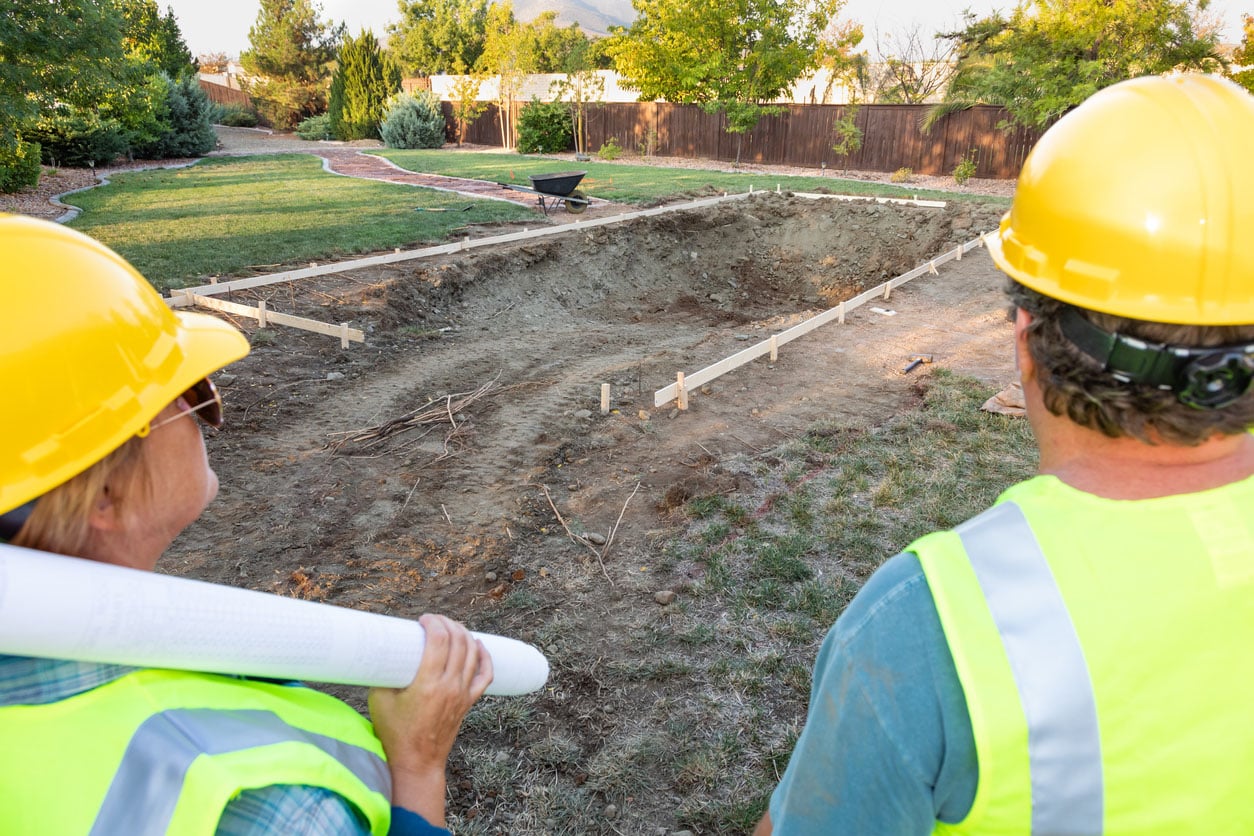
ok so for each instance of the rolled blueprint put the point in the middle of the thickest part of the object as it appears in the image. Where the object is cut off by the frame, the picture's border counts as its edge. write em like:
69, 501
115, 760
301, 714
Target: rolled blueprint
68, 608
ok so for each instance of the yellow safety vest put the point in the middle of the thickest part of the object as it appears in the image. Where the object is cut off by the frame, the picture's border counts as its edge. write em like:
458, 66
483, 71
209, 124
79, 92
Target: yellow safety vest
157, 752
1105, 652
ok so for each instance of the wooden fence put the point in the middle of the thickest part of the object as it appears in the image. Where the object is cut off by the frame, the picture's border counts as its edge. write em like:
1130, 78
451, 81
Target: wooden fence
801, 136
223, 95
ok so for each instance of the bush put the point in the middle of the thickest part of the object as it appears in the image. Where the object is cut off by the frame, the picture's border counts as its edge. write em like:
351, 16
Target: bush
233, 116
610, 149
414, 121
78, 138
185, 120
19, 165
315, 127
965, 170
544, 127
902, 175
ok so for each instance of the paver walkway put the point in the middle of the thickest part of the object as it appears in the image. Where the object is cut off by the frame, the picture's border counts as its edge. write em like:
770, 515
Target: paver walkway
352, 163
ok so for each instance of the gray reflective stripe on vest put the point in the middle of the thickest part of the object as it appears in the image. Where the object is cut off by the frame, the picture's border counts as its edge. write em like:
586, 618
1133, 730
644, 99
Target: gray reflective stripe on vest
149, 781
1064, 745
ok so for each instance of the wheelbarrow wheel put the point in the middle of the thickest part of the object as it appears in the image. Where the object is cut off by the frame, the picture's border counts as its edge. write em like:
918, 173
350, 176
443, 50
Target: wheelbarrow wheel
576, 208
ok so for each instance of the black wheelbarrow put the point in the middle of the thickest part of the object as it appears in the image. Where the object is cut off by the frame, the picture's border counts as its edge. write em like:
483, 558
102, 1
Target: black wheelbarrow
554, 189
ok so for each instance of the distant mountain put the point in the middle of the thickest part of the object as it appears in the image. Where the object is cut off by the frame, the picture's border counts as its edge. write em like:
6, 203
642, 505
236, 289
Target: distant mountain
593, 16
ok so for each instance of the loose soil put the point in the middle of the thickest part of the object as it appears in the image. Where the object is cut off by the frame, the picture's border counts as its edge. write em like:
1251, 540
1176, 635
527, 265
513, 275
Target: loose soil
455, 516
329, 493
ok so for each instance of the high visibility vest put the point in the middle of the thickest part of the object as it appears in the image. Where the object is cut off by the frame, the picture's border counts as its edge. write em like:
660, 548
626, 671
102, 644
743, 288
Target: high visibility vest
158, 751
1105, 651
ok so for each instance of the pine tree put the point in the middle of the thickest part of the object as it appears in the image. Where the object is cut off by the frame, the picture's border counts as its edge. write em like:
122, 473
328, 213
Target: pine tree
364, 80
290, 60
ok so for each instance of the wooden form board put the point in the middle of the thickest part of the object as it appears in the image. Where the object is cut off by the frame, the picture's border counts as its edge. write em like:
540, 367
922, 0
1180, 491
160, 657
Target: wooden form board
669, 393
265, 317
178, 298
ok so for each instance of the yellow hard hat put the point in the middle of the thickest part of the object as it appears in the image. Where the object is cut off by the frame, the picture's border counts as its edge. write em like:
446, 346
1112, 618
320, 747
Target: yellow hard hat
91, 354
1140, 203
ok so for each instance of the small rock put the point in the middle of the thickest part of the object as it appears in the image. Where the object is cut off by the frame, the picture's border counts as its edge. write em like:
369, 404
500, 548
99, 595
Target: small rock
707, 389
583, 414
642, 415
459, 417
611, 811
490, 577
224, 379
544, 573
572, 487
664, 597
754, 411
674, 413
595, 538
742, 337
498, 592
335, 375
519, 574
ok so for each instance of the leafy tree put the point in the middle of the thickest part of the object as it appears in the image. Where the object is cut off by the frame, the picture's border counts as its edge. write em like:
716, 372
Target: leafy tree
735, 56
1050, 55
553, 47
152, 38
49, 53
466, 105
580, 88
847, 134
290, 60
509, 54
439, 36
1243, 56
365, 78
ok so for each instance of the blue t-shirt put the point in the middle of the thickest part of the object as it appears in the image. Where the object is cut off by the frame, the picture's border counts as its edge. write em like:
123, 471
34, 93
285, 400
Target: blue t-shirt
887, 747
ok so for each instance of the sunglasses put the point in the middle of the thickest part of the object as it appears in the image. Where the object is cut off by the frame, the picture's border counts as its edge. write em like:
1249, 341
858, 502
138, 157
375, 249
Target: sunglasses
202, 400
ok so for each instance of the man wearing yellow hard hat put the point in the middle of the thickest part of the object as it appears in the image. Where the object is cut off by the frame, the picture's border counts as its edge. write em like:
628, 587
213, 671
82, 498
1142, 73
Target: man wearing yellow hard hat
1077, 659
101, 458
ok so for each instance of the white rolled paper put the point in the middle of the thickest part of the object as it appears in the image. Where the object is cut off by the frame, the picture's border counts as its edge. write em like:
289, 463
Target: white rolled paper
68, 608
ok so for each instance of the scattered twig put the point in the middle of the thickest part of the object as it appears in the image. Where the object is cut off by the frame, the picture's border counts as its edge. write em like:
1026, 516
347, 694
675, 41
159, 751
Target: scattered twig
578, 538
430, 414
409, 495
507, 307
609, 541
446, 516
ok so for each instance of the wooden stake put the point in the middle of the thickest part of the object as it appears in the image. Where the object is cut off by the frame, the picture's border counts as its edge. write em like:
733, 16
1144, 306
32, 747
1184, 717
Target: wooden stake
680, 392
958, 254
605, 399
261, 314
840, 316
343, 335
774, 348
888, 288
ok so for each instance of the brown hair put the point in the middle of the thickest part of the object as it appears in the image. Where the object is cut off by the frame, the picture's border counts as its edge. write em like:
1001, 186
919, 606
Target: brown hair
1074, 384
59, 522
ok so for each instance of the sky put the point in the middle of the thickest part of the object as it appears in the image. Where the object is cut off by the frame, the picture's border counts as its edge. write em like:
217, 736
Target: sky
222, 25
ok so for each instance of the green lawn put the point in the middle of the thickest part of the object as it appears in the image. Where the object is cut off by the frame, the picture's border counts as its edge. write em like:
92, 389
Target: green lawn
625, 183
230, 216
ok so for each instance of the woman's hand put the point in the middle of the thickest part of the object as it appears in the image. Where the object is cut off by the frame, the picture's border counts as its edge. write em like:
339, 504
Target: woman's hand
418, 724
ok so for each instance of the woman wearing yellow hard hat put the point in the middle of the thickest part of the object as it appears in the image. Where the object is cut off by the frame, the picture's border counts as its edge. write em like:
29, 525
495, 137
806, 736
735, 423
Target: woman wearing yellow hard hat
101, 458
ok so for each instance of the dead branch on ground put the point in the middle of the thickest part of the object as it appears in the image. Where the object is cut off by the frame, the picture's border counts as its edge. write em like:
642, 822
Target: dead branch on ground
378, 440
583, 539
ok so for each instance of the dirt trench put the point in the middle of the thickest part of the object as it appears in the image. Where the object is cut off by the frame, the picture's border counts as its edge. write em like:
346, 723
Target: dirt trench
322, 498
